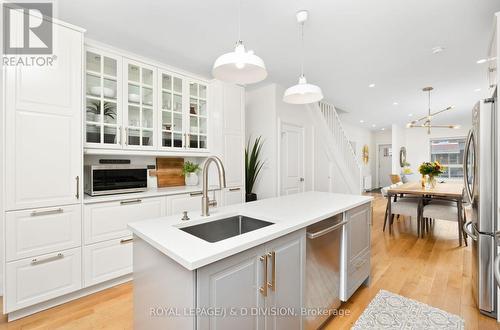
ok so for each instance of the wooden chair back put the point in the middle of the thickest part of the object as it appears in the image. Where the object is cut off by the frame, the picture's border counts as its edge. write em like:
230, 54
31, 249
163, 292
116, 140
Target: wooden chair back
395, 178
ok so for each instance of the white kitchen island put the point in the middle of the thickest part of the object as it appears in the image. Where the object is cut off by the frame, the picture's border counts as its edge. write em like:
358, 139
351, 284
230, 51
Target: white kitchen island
247, 281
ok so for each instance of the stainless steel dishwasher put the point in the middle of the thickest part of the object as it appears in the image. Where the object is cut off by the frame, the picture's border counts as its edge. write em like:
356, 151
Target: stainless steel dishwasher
322, 270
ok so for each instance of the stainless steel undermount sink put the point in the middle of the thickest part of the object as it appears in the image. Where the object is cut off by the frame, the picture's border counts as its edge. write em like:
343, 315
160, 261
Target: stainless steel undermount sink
218, 230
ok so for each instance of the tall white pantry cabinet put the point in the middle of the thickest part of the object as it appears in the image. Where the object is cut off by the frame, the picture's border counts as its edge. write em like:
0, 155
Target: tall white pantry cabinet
42, 162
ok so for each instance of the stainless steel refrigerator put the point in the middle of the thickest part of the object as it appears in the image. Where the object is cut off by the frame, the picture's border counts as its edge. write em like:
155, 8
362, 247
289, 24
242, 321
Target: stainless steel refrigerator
480, 178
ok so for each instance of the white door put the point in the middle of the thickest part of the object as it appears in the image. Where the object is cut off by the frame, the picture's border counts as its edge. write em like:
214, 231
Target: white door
43, 107
292, 159
384, 165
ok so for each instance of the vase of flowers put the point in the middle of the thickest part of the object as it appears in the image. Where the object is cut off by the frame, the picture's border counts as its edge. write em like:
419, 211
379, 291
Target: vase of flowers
429, 171
189, 171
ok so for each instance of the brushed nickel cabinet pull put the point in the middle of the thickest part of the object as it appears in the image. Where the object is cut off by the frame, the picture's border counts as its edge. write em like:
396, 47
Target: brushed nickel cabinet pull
263, 289
234, 189
272, 284
36, 261
54, 211
131, 201
119, 135
77, 187
193, 194
126, 240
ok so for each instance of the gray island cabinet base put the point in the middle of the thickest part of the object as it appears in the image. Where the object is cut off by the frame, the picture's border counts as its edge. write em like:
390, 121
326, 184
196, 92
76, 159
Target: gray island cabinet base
169, 296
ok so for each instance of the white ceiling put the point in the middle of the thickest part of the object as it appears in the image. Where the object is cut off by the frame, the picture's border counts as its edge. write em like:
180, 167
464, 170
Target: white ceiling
350, 44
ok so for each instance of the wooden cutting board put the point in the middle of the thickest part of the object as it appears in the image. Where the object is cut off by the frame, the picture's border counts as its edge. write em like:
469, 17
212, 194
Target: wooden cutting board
169, 172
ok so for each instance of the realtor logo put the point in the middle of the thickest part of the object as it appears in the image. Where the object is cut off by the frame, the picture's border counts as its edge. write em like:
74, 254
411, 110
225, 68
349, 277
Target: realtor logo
25, 30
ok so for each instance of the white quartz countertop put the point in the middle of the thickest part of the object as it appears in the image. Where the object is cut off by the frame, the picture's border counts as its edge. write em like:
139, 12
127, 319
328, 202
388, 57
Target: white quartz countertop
288, 213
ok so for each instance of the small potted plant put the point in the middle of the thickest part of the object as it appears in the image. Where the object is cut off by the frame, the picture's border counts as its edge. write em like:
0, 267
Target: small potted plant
429, 171
253, 165
189, 171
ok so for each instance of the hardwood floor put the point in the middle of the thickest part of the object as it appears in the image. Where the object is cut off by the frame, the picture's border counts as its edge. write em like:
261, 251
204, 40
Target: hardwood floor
433, 270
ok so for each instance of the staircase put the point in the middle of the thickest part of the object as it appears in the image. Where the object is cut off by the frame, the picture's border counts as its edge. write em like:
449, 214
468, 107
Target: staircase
337, 146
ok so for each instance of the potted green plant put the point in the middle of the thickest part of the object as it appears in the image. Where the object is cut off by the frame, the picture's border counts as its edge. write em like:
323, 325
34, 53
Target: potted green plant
93, 113
429, 171
253, 166
189, 171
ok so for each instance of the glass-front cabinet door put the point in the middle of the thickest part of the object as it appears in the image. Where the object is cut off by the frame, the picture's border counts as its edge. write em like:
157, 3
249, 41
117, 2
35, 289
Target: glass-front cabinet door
102, 99
172, 106
140, 105
197, 137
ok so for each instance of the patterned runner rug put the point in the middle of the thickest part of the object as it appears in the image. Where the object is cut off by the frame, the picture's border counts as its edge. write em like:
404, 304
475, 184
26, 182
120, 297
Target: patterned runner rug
391, 311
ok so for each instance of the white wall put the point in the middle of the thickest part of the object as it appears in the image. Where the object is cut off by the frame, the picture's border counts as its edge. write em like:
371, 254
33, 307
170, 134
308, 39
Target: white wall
362, 136
265, 111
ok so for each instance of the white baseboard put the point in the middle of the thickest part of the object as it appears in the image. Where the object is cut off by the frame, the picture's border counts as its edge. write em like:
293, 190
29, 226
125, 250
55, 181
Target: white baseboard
68, 297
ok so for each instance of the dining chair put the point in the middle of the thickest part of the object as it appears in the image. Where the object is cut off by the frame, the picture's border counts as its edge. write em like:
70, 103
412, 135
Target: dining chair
443, 209
395, 178
404, 206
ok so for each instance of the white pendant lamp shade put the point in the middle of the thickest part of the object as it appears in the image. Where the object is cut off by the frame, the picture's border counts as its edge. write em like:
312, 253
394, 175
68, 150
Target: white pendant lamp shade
303, 93
240, 66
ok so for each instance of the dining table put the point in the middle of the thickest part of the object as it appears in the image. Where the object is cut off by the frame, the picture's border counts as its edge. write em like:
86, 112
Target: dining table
452, 191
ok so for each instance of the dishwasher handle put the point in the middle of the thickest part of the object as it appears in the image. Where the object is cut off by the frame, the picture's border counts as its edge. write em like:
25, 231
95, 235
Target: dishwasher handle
326, 230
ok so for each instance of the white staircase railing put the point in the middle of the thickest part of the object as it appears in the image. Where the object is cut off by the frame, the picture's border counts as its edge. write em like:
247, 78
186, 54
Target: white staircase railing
344, 155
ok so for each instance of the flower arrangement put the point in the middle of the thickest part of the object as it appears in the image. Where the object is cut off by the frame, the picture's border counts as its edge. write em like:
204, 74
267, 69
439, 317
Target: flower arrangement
431, 169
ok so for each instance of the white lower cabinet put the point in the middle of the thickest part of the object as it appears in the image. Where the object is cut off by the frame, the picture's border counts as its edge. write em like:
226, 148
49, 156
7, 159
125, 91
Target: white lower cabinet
267, 277
235, 195
355, 250
105, 221
61, 273
34, 232
107, 260
176, 204
107, 253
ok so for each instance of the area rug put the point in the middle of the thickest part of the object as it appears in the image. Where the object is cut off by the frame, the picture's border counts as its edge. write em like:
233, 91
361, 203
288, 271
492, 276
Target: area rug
391, 311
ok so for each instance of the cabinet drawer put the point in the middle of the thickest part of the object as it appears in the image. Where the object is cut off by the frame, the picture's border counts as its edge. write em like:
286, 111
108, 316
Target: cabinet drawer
34, 280
34, 232
233, 196
107, 260
359, 270
105, 221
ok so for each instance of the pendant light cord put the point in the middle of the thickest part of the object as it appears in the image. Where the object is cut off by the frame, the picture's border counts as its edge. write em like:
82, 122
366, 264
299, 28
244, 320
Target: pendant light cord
302, 49
239, 21
429, 103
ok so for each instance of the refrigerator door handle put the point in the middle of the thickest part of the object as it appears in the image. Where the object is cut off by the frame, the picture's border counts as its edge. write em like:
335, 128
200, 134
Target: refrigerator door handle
468, 231
497, 269
469, 192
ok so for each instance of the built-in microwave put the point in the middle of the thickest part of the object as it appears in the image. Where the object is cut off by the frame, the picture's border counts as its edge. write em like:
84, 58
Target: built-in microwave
115, 179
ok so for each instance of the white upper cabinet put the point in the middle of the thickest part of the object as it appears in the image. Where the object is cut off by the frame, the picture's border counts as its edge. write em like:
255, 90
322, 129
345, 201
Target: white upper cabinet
171, 116
197, 135
140, 109
103, 100
43, 125
139, 106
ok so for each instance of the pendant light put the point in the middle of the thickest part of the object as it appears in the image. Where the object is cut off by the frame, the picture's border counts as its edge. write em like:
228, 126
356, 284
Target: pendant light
302, 93
240, 66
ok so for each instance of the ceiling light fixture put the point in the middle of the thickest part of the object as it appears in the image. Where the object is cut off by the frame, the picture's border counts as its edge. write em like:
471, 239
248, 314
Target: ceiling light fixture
361, 121
371, 85
437, 50
410, 115
240, 66
426, 121
302, 93
395, 103
382, 129
484, 60
373, 125
477, 90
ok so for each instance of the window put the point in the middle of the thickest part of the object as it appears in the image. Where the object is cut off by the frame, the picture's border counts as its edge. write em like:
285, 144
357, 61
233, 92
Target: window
450, 153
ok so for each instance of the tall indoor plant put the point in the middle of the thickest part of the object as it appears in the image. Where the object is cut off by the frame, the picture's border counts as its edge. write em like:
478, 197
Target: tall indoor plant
253, 165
